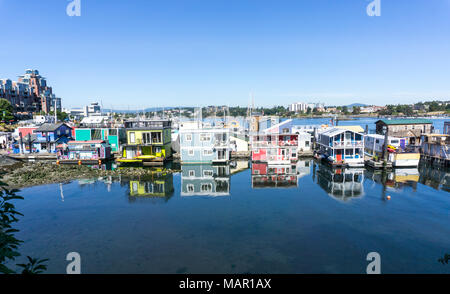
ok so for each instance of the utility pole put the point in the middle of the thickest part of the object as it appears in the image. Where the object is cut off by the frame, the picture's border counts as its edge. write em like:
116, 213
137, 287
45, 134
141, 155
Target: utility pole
385, 148
21, 143
56, 116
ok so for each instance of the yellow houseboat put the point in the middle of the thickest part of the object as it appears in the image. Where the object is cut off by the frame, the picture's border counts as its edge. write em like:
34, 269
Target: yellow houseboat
148, 142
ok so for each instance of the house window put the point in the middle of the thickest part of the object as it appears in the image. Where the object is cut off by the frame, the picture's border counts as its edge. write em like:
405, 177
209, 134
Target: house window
349, 152
190, 188
208, 173
189, 137
207, 152
206, 188
156, 137
157, 149
205, 137
192, 173
191, 152
146, 138
132, 137
306, 143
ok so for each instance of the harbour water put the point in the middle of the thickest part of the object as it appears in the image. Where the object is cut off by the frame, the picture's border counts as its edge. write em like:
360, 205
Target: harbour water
231, 220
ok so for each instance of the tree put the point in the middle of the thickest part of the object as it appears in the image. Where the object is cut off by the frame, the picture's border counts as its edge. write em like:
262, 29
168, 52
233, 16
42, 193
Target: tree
356, 110
62, 116
6, 111
9, 244
345, 110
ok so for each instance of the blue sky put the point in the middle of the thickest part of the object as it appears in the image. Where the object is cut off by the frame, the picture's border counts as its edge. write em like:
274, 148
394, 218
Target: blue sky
141, 53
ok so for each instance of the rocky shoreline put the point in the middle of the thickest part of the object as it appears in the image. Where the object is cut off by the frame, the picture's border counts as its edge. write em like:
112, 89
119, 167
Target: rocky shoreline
22, 175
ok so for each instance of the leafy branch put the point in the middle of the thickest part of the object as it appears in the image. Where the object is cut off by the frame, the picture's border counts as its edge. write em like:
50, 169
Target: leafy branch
9, 244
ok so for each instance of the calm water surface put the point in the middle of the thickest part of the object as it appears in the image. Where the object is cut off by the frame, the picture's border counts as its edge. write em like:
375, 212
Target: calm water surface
220, 220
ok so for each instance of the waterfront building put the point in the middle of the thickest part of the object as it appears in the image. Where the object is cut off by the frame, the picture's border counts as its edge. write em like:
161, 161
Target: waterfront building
266, 122
42, 119
405, 128
239, 144
435, 148
304, 142
114, 136
205, 180
46, 137
92, 151
266, 175
274, 148
446, 128
374, 146
340, 146
205, 145
254, 121
284, 127
148, 142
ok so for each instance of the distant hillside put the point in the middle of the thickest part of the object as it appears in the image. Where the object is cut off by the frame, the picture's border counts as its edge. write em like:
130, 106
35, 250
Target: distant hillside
151, 109
356, 105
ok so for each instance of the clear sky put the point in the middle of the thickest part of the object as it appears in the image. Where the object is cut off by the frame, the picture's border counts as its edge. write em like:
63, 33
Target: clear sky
143, 53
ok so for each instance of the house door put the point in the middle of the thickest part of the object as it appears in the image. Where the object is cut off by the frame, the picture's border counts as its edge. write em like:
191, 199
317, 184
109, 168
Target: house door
221, 154
283, 154
339, 155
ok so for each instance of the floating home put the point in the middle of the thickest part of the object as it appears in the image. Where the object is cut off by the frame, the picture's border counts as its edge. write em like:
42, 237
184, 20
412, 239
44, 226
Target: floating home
435, 148
205, 145
412, 129
396, 148
266, 175
341, 147
275, 148
84, 152
205, 180
114, 136
148, 142
46, 137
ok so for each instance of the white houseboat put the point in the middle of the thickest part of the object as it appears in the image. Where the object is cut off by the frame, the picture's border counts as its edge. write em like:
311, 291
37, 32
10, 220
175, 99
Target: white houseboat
397, 155
341, 147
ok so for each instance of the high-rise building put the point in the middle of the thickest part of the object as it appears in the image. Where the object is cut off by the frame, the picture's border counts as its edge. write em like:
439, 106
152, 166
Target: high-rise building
303, 107
30, 93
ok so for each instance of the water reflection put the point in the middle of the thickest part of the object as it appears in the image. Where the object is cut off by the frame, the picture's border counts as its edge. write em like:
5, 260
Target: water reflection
205, 180
435, 177
396, 179
158, 184
266, 175
341, 184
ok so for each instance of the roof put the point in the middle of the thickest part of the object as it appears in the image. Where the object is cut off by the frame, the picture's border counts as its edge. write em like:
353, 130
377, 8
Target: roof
356, 129
87, 142
278, 125
332, 132
436, 135
339, 130
49, 127
405, 121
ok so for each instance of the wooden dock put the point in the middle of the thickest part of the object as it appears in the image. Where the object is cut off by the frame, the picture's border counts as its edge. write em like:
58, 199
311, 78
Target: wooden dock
33, 157
378, 164
434, 160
